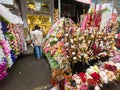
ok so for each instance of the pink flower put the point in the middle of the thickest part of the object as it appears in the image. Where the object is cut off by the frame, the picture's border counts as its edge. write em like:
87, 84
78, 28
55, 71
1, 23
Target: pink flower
115, 59
46, 50
84, 87
6, 49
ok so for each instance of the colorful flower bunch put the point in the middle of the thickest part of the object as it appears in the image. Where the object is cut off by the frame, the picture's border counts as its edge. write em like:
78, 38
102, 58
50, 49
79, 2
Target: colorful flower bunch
5, 47
3, 70
13, 40
54, 50
118, 41
90, 44
95, 76
16, 38
115, 59
1, 35
66, 44
4, 52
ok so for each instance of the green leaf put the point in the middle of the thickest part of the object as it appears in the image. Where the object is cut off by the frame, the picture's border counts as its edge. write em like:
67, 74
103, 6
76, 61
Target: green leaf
53, 42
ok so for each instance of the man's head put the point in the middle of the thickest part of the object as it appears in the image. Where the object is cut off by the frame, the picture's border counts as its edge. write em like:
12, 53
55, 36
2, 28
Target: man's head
37, 27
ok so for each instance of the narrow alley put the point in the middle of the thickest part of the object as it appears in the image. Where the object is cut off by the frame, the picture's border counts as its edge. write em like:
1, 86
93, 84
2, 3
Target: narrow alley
27, 73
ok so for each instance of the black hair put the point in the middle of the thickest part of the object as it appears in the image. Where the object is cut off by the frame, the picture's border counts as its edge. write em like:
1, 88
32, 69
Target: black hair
37, 27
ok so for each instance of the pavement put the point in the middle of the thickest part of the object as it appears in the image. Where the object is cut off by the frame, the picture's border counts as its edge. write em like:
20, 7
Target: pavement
28, 73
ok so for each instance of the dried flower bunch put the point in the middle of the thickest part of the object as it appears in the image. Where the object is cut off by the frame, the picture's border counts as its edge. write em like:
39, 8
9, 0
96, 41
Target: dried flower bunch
90, 44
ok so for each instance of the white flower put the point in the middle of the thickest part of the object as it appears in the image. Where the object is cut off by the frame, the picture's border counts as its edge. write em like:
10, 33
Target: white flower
73, 53
67, 56
55, 39
66, 34
1, 54
97, 87
78, 81
103, 76
66, 44
72, 46
118, 66
74, 58
71, 40
67, 49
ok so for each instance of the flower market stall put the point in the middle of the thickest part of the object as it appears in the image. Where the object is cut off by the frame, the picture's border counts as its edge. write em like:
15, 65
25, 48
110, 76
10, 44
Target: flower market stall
12, 42
85, 55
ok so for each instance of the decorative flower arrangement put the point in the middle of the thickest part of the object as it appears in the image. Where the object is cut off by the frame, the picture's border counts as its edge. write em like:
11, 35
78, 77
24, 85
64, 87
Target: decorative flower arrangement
90, 44
118, 41
13, 56
1, 35
4, 27
9, 48
1, 53
13, 40
54, 50
95, 76
3, 70
115, 59
73, 46
72, 51
6, 49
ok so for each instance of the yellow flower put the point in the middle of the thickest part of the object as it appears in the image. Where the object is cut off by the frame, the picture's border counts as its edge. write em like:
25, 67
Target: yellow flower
96, 68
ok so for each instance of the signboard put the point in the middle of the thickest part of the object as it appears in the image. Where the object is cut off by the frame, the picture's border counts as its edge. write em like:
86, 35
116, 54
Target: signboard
10, 2
85, 1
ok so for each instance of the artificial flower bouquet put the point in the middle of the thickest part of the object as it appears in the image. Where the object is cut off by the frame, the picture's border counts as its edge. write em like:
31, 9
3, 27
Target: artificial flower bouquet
118, 41
96, 76
67, 46
3, 68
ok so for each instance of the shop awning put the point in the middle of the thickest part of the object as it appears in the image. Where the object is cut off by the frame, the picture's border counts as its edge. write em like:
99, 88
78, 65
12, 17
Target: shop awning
85, 1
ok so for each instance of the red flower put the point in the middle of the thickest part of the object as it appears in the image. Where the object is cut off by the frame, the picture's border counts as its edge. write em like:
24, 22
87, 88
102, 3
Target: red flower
96, 77
82, 76
91, 82
110, 67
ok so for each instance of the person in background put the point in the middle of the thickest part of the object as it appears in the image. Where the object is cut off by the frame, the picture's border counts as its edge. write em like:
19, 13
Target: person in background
37, 38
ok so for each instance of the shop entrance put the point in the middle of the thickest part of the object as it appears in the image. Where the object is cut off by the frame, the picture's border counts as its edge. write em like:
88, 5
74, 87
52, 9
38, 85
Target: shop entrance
43, 21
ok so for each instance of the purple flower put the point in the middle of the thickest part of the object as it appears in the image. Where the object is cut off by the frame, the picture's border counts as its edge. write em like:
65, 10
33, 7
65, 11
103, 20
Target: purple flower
115, 59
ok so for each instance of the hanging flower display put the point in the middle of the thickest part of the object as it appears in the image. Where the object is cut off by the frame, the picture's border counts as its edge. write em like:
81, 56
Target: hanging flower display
6, 50
3, 70
11, 41
12, 38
